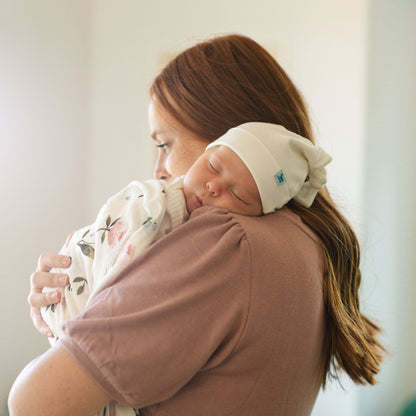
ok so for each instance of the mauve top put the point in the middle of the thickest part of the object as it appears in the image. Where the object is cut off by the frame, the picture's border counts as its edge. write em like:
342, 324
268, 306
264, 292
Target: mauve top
223, 316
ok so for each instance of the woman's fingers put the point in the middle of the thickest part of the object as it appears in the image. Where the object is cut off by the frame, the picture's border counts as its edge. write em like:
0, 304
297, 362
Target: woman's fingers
40, 300
37, 300
48, 260
39, 323
39, 280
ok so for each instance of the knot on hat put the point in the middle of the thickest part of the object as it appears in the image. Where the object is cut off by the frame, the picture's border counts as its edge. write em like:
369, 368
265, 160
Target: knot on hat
283, 164
316, 179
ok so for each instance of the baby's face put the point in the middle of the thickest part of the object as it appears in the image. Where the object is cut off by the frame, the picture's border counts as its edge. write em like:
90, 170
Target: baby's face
219, 178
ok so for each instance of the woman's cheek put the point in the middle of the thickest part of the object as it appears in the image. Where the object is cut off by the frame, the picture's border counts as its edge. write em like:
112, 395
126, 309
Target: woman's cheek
172, 166
175, 166
181, 158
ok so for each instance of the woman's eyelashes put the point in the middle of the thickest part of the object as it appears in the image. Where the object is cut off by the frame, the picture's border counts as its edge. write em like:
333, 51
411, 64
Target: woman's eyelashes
163, 146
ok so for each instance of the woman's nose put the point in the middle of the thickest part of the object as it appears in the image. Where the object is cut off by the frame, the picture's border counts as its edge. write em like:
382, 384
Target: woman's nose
160, 171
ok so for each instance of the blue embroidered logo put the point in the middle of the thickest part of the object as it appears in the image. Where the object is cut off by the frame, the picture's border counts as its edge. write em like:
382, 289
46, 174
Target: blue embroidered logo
280, 178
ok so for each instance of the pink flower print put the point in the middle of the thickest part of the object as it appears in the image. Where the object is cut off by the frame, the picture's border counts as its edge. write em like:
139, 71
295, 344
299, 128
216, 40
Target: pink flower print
130, 250
116, 233
68, 240
126, 255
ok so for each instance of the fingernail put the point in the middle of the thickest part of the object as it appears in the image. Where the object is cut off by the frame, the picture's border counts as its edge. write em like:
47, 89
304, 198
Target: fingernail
65, 261
49, 334
54, 297
63, 280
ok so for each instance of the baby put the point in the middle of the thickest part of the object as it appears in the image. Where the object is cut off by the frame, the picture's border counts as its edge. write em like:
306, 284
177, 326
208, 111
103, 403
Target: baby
253, 169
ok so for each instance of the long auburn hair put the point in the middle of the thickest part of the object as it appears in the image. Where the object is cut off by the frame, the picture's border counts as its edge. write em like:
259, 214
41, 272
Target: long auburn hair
229, 80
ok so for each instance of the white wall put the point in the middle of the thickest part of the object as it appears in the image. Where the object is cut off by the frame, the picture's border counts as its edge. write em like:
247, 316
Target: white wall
390, 200
325, 56
43, 120
86, 106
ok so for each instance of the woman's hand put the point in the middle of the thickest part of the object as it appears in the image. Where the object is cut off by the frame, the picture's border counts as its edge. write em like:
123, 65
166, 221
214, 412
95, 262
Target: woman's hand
40, 279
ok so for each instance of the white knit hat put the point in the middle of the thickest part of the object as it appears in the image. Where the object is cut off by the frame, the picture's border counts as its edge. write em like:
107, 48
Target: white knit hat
284, 165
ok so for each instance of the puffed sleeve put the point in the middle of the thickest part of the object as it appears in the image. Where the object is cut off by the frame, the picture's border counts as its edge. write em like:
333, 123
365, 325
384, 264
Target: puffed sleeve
178, 309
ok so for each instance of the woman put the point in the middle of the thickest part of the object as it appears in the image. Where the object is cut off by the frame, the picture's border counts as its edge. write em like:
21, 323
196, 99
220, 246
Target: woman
227, 314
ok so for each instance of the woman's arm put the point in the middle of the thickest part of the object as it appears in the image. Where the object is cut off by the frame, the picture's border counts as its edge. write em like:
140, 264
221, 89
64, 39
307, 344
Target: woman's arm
56, 385
180, 304
158, 325
42, 278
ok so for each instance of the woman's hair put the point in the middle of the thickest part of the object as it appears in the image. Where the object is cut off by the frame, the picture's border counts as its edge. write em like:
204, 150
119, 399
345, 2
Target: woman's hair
229, 80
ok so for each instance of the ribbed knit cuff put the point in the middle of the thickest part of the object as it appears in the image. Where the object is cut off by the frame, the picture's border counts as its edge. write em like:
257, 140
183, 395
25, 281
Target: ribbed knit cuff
176, 205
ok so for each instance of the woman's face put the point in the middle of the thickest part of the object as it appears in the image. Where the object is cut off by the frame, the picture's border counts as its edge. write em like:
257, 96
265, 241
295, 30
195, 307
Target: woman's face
177, 147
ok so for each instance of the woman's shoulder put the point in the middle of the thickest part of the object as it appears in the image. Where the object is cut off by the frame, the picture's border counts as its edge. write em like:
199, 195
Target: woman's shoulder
278, 225
206, 228
282, 238
282, 222
215, 221
276, 238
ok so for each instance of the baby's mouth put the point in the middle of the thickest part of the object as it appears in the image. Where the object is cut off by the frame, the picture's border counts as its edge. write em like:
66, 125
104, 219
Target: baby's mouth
198, 201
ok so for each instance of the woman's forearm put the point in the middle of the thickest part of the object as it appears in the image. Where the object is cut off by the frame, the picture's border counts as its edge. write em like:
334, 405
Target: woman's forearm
56, 385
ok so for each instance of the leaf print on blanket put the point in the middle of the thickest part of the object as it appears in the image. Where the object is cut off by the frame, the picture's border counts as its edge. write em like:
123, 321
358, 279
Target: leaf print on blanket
150, 223
129, 197
51, 307
81, 288
115, 229
87, 248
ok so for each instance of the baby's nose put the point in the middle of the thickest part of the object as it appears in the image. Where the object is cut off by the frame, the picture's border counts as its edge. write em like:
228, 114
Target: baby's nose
214, 188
